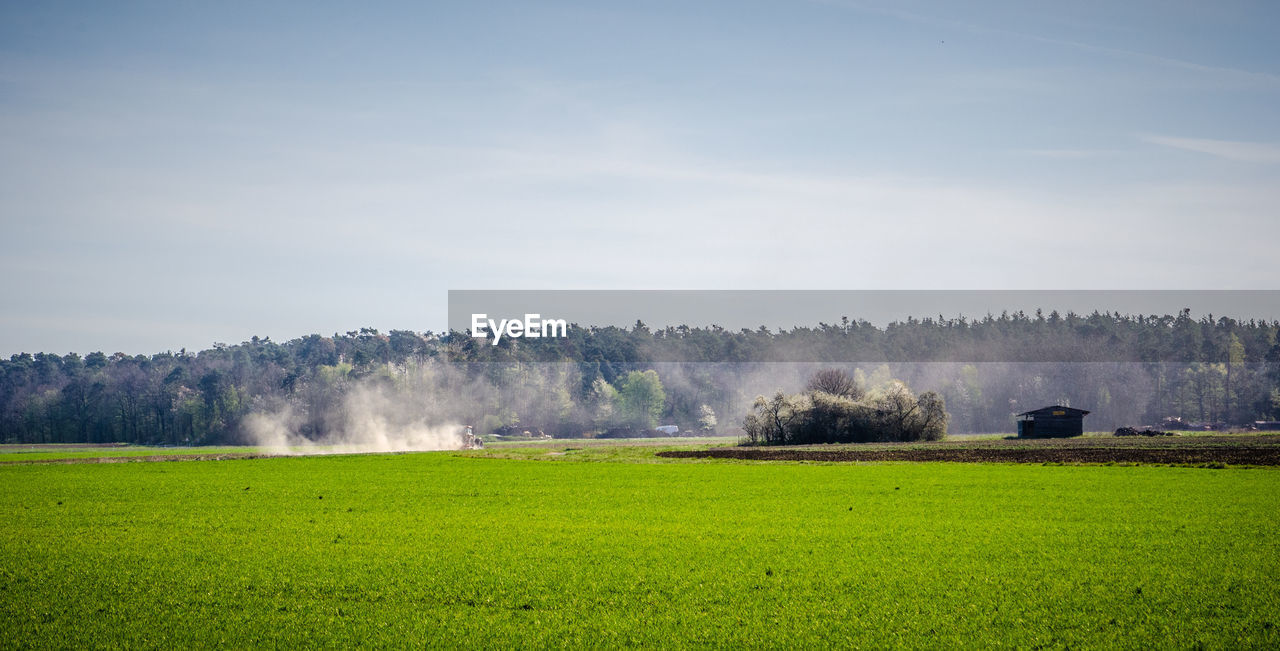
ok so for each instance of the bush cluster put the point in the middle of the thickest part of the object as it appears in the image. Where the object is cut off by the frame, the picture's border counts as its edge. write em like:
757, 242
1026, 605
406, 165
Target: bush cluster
853, 415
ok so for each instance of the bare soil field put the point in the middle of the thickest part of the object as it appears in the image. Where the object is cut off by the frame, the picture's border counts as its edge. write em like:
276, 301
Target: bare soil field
1200, 450
1240, 449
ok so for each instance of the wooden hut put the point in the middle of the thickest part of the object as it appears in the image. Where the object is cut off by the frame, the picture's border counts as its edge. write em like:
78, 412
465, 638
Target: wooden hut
1051, 421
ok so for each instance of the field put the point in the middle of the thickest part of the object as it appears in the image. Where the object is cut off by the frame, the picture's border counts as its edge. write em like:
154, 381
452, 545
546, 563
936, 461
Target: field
532, 545
1211, 451
16, 453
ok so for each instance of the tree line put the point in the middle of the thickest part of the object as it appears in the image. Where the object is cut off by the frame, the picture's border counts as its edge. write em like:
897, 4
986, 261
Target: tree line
1128, 370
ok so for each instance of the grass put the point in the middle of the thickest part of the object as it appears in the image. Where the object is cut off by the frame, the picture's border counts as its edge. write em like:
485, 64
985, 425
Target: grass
20, 453
476, 549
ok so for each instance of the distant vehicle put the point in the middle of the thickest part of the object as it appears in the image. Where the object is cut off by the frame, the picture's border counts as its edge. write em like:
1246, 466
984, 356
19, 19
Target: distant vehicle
669, 430
469, 439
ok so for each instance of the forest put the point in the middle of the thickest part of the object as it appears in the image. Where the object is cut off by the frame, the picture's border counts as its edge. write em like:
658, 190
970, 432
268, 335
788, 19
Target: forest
600, 381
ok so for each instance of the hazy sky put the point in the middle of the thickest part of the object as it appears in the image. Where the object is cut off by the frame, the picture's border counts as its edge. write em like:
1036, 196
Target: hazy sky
174, 174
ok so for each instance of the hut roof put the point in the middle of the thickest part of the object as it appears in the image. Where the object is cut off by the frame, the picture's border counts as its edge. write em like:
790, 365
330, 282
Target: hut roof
1049, 411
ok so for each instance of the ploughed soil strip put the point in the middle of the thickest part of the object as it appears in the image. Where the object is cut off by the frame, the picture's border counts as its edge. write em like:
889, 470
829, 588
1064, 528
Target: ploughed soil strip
1250, 455
1150, 442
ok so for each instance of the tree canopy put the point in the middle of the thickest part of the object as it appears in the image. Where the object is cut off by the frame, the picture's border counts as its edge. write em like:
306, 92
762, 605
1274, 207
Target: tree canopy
1128, 370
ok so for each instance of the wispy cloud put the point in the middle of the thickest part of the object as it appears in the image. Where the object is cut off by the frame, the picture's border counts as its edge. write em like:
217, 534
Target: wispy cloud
1259, 78
1068, 154
1249, 152
1248, 77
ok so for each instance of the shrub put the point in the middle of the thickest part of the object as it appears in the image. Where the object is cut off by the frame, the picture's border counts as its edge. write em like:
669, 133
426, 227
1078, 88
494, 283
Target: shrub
891, 413
835, 382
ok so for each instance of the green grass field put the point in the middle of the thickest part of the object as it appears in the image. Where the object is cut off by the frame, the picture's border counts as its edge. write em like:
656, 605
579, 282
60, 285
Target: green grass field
489, 548
29, 453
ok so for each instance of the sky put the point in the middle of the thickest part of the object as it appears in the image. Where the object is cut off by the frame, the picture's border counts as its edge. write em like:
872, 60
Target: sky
176, 174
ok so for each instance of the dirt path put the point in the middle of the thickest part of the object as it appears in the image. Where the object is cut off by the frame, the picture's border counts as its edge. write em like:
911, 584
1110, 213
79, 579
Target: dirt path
1253, 455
